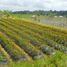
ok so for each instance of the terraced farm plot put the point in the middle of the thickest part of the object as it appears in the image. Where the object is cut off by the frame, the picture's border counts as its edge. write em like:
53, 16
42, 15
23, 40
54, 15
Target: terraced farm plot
22, 40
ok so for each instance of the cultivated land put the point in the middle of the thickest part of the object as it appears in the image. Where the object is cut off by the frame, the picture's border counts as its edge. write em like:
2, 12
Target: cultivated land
29, 44
50, 20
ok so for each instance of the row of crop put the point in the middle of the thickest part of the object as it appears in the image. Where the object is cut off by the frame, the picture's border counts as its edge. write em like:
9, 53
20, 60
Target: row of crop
3, 57
59, 40
32, 33
43, 47
38, 26
50, 32
40, 31
17, 26
55, 29
23, 43
29, 37
56, 46
11, 48
46, 38
36, 35
46, 41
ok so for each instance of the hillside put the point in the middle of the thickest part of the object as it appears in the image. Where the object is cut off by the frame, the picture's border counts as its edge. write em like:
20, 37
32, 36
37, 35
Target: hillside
22, 40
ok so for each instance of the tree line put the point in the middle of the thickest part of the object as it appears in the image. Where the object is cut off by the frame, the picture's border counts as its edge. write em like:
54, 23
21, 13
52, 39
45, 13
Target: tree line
37, 12
42, 12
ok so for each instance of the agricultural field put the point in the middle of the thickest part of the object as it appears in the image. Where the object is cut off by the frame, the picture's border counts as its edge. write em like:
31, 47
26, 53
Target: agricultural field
24, 43
55, 21
50, 20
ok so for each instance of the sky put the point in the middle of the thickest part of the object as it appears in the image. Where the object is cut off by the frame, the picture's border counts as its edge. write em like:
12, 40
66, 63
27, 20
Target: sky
20, 5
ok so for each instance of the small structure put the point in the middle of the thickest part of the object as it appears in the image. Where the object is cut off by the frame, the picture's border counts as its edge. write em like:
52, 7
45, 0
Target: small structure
36, 18
60, 16
55, 16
